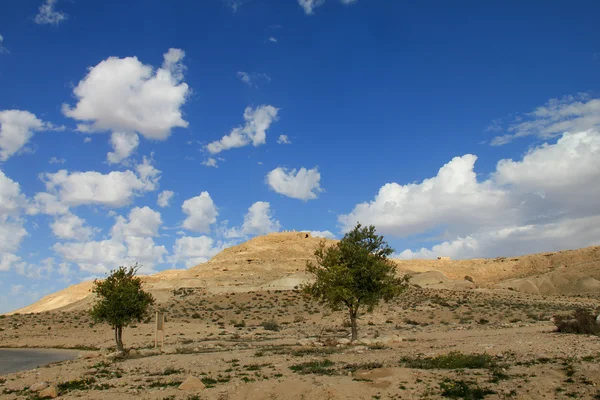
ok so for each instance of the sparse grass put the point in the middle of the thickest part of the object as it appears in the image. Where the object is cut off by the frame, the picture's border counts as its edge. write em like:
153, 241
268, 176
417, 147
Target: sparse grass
77, 384
453, 360
315, 367
461, 389
364, 366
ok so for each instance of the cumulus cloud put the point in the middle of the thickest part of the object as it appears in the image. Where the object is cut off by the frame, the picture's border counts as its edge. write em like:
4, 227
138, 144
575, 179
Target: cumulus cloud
254, 131
16, 128
259, 220
47, 14
569, 114
123, 143
283, 139
192, 251
130, 242
302, 184
272, 39
210, 162
201, 213
126, 97
12, 204
55, 160
141, 222
164, 198
71, 227
544, 201
115, 189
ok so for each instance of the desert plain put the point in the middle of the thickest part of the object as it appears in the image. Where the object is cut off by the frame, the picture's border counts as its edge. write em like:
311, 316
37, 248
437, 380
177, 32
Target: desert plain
238, 327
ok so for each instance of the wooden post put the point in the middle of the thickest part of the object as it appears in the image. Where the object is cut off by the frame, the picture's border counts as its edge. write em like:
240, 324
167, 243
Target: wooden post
160, 326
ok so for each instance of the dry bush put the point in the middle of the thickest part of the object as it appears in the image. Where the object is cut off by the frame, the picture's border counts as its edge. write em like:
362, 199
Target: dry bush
581, 321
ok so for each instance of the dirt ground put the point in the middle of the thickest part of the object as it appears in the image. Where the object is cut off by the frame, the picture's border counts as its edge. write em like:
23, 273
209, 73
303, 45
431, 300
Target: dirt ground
277, 345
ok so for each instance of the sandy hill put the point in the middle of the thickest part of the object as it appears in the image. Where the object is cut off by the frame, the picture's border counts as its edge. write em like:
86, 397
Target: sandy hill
277, 261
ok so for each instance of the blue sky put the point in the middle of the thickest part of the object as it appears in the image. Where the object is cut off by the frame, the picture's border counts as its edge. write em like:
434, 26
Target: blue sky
165, 131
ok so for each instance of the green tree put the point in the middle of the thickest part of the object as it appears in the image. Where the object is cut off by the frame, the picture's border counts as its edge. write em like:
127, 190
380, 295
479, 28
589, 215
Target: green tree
121, 301
355, 274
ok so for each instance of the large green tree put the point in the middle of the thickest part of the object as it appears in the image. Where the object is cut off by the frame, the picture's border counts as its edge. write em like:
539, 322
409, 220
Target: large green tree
354, 273
121, 301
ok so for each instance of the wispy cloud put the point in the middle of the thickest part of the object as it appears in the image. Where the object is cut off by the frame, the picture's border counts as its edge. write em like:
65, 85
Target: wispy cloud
48, 15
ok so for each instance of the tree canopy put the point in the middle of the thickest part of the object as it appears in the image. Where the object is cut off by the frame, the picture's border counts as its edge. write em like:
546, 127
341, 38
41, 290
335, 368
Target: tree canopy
355, 273
121, 301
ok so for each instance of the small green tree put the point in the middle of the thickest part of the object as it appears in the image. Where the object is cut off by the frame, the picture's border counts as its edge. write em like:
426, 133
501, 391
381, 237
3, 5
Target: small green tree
121, 301
355, 273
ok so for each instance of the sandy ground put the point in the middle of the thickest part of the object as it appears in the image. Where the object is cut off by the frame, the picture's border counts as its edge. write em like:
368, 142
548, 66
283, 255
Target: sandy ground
220, 339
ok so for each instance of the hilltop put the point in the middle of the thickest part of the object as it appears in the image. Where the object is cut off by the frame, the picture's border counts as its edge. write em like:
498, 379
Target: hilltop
277, 262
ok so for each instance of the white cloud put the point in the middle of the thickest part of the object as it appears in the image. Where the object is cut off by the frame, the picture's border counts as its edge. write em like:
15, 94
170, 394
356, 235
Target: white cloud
130, 242
47, 203
48, 15
322, 234
141, 222
545, 201
302, 184
569, 114
192, 251
55, 160
348, 1
283, 139
164, 198
259, 221
3, 50
272, 39
71, 227
201, 213
8, 260
124, 143
244, 77
251, 78
253, 132
210, 162
124, 95
310, 5
16, 128
87, 139
234, 4
12, 232
115, 189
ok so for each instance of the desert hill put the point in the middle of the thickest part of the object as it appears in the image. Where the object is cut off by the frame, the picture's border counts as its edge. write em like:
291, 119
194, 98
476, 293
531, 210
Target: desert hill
277, 262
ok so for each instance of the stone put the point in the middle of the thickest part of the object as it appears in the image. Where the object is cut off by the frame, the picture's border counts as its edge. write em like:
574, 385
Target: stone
36, 387
169, 350
304, 342
89, 354
133, 352
344, 341
598, 319
192, 383
114, 356
50, 392
149, 352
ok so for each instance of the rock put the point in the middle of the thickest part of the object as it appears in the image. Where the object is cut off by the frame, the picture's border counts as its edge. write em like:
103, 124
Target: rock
89, 354
344, 341
598, 319
50, 392
114, 356
133, 352
169, 350
365, 342
36, 387
149, 352
304, 342
191, 384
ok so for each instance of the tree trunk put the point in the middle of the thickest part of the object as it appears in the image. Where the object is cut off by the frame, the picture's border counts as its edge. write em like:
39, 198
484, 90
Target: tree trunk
353, 315
119, 338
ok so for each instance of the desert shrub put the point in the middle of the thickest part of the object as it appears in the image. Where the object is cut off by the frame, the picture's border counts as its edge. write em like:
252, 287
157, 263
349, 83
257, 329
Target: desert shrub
314, 367
453, 360
270, 325
581, 321
463, 390
468, 278
196, 315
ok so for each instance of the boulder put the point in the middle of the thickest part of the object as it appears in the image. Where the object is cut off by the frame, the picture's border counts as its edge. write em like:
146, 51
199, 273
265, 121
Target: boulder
133, 352
114, 356
598, 319
149, 352
169, 350
36, 387
50, 392
192, 383
344, 341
